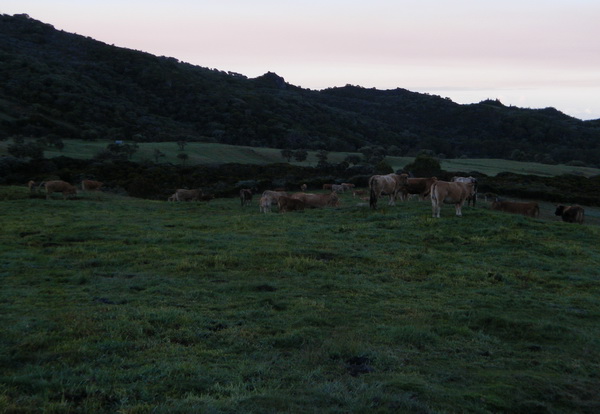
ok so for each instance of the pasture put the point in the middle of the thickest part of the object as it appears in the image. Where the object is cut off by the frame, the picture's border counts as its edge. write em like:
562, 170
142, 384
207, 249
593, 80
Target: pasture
112, 304
209, 153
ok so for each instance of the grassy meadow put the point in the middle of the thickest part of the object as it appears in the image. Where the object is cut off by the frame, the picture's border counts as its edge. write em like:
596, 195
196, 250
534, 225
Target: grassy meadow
112, 304
209, 153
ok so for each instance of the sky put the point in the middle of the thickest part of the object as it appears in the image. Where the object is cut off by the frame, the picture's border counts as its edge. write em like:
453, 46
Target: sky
526, 53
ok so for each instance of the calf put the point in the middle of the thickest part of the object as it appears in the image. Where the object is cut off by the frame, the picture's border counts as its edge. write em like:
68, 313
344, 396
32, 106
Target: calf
58, 186
570, 214
529, 209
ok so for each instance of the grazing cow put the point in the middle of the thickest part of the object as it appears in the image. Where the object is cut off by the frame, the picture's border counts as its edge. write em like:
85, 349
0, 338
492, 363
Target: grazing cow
182, 194
444, 192
58, 186
91, 185
318, 200
327, 186
358, 193
348, 186
389, 184
289, 204
570, 214
420, 186
245, 196
529, 209
303, 187
471, 200
32, 186
337, 188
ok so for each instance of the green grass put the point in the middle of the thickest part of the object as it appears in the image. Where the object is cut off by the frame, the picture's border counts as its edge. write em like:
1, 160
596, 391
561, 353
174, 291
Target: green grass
112, 304
208, 153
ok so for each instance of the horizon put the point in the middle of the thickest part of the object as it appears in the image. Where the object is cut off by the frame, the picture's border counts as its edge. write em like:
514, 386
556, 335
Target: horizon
529, 54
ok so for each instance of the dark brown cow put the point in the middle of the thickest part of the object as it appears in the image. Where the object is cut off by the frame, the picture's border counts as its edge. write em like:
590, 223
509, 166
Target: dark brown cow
420, 186
181, 194
245, 196
318, 200
444, 192
570, 214
58, 186
389, 184
529, 209
289, 204
91, 185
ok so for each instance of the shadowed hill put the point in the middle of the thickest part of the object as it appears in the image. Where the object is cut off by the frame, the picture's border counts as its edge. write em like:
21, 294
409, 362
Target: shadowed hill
58, 84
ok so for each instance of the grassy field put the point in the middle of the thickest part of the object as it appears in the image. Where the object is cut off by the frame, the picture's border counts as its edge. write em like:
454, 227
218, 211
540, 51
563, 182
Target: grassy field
111, 304
203, 153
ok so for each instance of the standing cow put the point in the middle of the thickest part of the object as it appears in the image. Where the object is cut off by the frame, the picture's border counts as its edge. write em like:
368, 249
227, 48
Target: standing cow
444, 192
91, 185
245, 196
389, 184
471, 200
570, 214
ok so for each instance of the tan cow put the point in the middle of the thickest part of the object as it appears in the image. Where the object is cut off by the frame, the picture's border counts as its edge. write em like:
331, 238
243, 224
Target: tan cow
420, 186
570, 214
389, 184
444, 192
32, 186
473, 199
58, 186
182, 194
327, 186
529, 209
264, 204
289, 204
91, 185
318, 200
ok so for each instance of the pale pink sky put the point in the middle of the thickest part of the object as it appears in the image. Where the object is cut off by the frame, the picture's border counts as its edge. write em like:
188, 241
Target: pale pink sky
528, 53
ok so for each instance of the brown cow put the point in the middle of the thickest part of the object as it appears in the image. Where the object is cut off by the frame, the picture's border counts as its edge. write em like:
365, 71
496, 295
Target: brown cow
245, 196
420, 186
327, 186
529, 209
289, 204
348, 186
389, 184
570, 214
91, 185
444, 192
358, 193
58, 186
182, 194
318, 200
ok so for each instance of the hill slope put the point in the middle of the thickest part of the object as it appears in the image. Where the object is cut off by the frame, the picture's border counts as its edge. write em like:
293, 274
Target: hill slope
70, 86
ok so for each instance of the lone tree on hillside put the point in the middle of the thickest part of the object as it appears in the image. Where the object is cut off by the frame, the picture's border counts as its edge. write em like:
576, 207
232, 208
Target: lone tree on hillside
287, 154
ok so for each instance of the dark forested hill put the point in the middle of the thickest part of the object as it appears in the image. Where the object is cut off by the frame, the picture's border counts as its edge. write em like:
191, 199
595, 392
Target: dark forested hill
57, 84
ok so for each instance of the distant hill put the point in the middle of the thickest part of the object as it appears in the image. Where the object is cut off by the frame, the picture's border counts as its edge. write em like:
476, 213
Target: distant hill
58, 84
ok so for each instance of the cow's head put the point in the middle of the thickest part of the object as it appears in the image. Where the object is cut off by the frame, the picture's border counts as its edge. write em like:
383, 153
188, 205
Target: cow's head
559, 210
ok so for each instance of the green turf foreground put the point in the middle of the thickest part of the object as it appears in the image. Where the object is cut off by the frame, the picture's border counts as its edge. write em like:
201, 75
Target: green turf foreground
117, 305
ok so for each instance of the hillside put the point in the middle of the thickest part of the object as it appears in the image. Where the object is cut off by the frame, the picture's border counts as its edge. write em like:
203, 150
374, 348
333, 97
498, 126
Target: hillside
62, 85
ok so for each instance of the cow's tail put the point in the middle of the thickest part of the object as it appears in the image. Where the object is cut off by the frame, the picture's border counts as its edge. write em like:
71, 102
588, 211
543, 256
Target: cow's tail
373, 194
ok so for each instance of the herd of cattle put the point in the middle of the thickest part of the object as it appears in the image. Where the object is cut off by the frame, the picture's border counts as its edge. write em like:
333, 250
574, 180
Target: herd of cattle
396, 186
